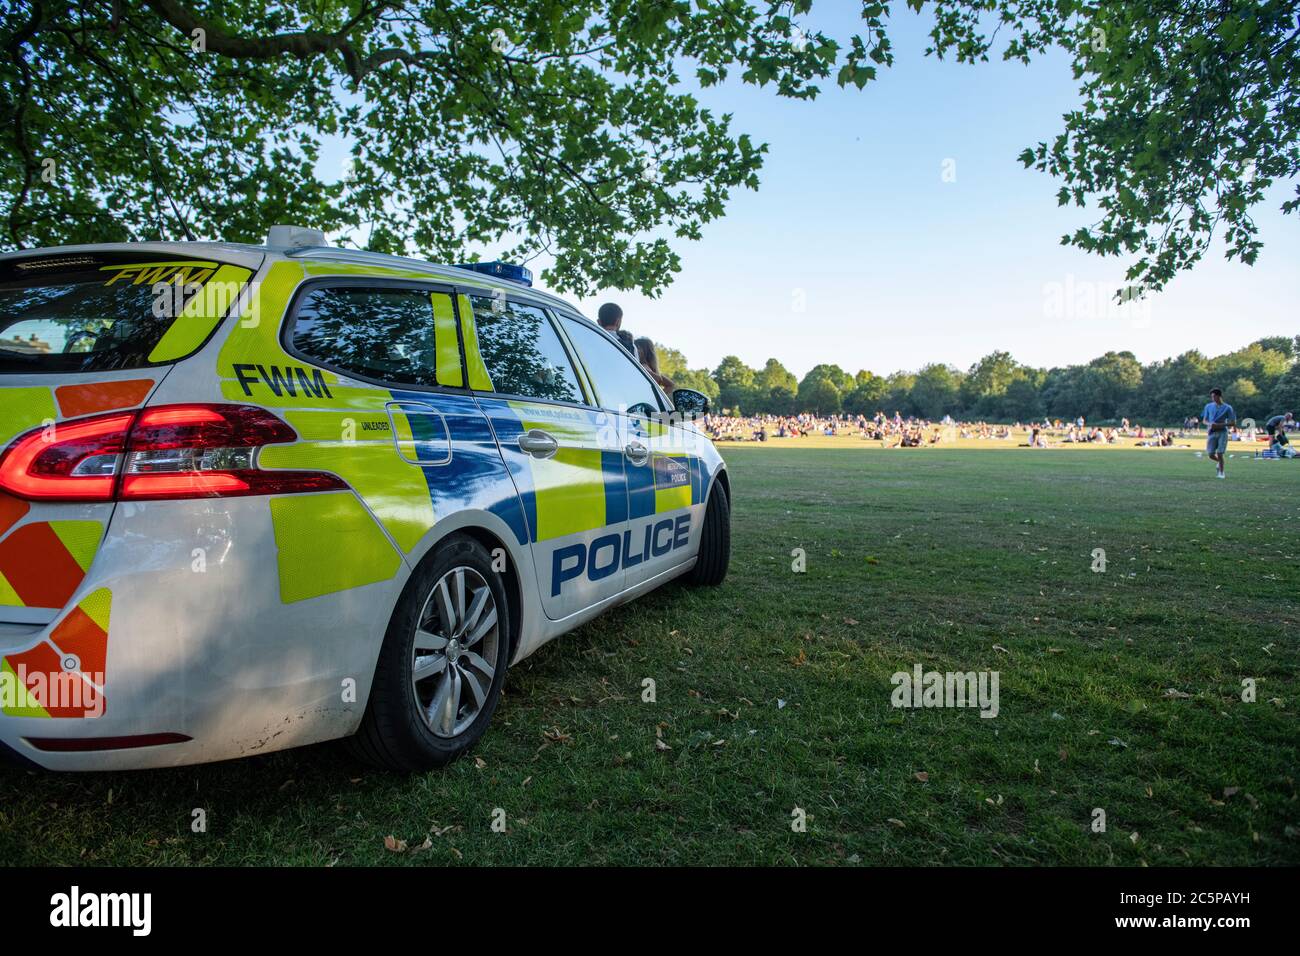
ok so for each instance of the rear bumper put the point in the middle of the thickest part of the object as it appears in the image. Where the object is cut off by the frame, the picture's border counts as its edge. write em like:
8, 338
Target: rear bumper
199, 645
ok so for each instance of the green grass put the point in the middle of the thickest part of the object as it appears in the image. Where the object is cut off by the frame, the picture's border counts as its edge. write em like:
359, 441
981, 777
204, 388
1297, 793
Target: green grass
953, 560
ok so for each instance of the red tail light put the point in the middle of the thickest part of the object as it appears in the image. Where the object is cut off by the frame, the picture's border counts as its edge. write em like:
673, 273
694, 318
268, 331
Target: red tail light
77, 461
171, 451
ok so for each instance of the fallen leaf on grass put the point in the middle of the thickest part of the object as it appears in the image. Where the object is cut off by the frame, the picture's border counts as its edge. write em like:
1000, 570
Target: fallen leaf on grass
480, 763
922, 776
394, 845
1175, 692
896, 822
999, 647
660, 745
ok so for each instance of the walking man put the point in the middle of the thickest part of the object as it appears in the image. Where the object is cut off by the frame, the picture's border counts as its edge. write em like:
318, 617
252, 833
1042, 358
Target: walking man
1218, 416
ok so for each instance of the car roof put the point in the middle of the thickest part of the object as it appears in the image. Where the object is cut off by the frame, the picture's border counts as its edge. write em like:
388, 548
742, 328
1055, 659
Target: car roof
247, 254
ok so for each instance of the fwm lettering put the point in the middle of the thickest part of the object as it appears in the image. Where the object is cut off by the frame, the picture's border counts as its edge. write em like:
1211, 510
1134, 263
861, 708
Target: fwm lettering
609, 553
150, 273
291, 380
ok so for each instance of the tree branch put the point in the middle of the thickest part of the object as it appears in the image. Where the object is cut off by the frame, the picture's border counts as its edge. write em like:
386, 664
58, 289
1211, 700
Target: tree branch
301, 44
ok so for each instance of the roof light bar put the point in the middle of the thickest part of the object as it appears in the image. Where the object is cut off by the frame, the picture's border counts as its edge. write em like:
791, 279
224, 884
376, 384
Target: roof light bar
501, 270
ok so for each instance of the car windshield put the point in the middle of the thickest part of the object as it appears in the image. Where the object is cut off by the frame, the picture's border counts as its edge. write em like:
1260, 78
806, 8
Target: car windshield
94, 314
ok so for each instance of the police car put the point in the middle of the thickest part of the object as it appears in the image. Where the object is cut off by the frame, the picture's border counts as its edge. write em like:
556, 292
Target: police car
253, 497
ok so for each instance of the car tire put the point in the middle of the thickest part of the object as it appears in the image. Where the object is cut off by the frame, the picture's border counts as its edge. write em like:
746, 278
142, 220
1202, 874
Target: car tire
715, 540
432, 695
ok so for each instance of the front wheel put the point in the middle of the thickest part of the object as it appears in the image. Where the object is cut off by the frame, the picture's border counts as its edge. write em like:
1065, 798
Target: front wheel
442, 665
715, 540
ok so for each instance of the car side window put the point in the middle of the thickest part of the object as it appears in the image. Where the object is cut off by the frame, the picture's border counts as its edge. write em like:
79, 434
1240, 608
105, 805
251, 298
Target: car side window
523, 354
382, 333
620, 383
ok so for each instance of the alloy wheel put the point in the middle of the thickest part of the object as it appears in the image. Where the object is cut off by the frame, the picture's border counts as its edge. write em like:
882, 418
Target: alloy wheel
455, 650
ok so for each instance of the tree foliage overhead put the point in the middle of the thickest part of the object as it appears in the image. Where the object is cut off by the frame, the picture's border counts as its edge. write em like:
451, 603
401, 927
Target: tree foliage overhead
566, 127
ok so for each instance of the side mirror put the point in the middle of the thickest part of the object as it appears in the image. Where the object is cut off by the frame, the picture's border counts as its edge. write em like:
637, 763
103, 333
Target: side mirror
689, 403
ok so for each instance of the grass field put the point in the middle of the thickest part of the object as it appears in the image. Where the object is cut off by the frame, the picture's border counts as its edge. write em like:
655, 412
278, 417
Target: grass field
1119, 690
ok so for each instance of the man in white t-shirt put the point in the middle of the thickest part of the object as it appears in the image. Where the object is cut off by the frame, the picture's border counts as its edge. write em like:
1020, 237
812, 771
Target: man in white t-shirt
1218, 415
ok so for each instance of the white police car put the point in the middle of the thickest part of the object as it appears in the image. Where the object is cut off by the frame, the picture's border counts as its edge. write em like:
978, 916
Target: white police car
257, 497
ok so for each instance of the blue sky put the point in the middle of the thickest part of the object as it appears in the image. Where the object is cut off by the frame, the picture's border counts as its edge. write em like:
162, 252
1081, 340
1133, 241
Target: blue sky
894, 267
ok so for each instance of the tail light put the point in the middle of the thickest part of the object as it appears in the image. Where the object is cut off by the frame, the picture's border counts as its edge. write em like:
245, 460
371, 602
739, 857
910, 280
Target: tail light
73, 462
170, 451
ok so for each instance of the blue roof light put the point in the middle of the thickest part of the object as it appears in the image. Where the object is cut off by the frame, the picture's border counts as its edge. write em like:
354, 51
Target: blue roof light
501, 270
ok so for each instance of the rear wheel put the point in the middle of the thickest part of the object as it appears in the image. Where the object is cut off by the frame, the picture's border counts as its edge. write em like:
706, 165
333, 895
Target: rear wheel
442, 665
715, 540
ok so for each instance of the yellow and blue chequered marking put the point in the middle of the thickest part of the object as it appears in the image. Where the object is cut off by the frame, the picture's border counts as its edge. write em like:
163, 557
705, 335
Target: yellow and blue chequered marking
475, 477
583, 489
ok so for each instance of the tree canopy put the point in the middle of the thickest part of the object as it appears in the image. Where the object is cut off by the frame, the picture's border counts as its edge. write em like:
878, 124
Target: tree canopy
572, 128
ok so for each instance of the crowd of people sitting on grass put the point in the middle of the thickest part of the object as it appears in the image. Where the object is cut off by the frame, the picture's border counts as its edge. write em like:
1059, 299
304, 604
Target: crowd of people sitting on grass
897, 431
900, 432
908, 432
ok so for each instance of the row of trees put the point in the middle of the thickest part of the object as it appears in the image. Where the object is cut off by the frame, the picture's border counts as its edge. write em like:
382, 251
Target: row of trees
1258, 380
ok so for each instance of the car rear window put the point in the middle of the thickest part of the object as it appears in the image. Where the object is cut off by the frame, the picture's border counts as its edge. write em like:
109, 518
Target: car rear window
388, 334
522, 352
95, 313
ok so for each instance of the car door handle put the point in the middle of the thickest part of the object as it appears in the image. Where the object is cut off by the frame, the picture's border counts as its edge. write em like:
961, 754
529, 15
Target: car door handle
637, 453
538, 443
